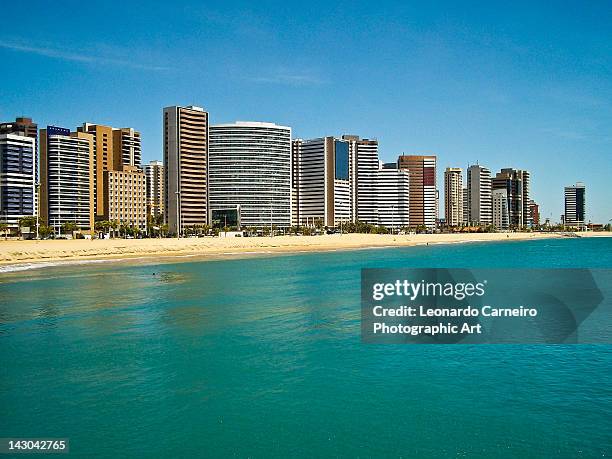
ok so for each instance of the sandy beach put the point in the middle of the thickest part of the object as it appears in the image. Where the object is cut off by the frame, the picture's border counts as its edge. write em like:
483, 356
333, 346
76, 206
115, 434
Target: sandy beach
18, 251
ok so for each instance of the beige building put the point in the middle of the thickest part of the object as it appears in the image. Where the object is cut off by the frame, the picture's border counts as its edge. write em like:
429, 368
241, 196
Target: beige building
113, 149
453, 196
125, 197
185, 167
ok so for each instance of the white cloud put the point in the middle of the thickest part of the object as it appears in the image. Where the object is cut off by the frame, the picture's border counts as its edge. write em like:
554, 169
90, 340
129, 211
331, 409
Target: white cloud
86, 58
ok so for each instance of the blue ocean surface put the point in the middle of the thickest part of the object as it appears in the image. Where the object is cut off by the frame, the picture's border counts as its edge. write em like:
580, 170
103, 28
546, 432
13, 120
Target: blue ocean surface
262, 357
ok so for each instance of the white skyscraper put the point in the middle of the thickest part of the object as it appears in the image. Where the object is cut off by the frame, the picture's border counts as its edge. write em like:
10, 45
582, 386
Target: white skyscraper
323, 190
479, 195
501, 218
392, 197
66, 173
250, 170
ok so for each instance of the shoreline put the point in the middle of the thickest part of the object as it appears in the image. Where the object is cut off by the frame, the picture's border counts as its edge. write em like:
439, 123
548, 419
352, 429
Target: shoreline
23, 255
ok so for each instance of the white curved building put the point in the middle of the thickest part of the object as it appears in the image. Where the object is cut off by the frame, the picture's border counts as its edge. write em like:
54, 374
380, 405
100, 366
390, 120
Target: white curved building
249, 168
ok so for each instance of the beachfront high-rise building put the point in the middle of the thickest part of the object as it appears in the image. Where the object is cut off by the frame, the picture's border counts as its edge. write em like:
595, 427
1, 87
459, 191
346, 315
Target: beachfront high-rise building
154, 172
364, 176
499, 200
185, 167
105, 158
323, 181
125, 197
113, 149
17, 179
249, 172
66, 178
25, 127
575, 205
296, 146
534, 208
377, 194
516, 183
479, 195
392, 191
453, 196
423, 192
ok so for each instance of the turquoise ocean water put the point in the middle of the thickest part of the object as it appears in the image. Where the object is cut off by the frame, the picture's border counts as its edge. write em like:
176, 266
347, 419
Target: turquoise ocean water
261, 357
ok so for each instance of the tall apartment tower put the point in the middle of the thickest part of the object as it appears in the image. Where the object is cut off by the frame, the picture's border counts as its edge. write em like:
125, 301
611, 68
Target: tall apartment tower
105, 158
323, 181
516, 183
66, 178
154, 172
575, 205
296, 147
113, 149
453, 196
249, 172
501, 216
24, 127
365, 167
392, 197
185, 167
423, 193
17, 179
479, 195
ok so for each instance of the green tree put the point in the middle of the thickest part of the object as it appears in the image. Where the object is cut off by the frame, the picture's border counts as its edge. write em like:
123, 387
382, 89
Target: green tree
69, 227
4, 229
27, 222
45, 231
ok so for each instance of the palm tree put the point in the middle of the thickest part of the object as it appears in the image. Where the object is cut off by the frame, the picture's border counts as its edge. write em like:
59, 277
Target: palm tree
114, 225
69, 227
4, 229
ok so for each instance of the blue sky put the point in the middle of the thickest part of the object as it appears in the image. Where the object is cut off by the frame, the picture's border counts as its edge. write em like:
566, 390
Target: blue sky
524, 85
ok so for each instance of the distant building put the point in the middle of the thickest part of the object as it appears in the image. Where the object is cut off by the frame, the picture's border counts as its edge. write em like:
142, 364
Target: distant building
17, 179
516, 182
185, 167
154, 172
534, 208
423, 192
66, 178
479, 195
501, 217
125, 197
466, 207
249, 167
453, 196
575, 205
